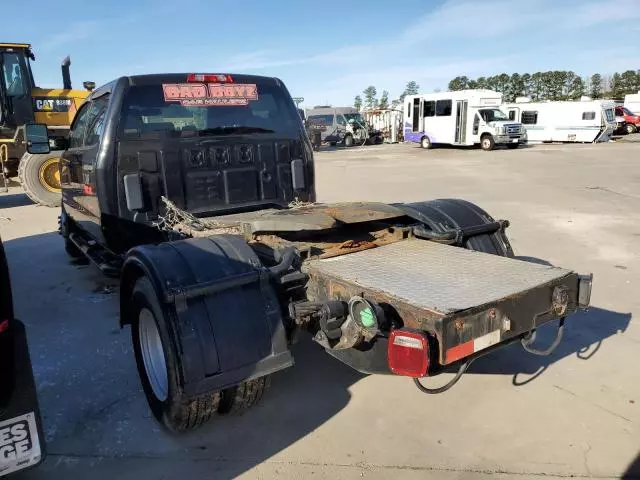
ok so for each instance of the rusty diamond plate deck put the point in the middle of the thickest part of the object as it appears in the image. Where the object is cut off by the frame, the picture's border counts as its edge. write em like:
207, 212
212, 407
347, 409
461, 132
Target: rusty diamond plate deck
436, 277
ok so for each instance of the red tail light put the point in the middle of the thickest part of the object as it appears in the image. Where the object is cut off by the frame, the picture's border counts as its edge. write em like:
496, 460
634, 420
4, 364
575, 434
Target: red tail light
408, 353
209, 78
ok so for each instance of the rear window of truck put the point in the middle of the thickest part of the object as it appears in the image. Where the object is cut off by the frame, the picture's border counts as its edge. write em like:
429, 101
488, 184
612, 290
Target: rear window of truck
146, 110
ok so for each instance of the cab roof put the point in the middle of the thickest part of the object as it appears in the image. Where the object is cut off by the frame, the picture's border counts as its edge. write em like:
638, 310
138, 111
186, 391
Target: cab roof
14, 45
160, 78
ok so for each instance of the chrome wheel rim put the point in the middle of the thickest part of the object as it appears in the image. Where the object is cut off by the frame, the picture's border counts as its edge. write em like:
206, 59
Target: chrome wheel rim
486, 143
155, 364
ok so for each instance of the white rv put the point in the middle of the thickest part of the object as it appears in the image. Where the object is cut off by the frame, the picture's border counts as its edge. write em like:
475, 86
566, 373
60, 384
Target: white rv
465, 117
632, 102
571, 121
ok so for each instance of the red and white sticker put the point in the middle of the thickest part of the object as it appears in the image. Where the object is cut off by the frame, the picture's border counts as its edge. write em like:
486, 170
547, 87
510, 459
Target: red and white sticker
210, 94
472, 346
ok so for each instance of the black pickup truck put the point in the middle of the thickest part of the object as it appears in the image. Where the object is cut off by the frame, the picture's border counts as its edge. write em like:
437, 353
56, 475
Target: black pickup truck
197, 191
21, 439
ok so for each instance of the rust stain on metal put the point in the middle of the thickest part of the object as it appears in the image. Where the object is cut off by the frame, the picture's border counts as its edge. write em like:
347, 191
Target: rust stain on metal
459, 324
327, 246
322, 288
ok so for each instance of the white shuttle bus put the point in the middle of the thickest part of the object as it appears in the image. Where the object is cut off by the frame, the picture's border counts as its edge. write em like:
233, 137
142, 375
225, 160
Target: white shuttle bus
465, 117
571, 121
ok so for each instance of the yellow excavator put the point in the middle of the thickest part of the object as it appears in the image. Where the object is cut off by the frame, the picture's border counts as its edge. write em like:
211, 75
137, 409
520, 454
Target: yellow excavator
21, 103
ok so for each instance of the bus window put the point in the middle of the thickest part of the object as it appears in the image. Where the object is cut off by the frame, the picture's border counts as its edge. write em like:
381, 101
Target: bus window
429, 108
443, 108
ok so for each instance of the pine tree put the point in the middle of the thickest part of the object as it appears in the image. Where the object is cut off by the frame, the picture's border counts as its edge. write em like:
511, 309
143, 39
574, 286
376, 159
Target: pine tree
370, 100
595, 90
384, 100
616, 86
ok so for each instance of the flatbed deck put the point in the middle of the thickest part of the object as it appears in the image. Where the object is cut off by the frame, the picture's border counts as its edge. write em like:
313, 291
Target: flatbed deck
436, 277
467, 300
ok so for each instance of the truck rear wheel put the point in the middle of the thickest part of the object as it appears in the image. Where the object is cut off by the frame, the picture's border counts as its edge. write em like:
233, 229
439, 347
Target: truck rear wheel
157, 362
39, 175
239, 399
487, 142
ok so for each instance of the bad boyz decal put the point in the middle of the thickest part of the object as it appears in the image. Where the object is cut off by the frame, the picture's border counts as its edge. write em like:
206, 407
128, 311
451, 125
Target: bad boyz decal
211, 94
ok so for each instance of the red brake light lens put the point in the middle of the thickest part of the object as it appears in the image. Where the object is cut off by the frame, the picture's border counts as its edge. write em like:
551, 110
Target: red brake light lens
209, 78
408, 353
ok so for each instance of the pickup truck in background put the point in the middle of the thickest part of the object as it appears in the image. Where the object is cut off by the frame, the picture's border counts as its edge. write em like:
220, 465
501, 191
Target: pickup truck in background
632, 120
21, 437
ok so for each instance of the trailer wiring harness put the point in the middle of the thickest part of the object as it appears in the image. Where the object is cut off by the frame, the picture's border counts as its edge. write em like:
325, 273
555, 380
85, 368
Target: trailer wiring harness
526, 342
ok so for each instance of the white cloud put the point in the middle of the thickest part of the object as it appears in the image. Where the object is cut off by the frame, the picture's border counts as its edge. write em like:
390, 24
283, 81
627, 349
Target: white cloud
76, 31
257, 60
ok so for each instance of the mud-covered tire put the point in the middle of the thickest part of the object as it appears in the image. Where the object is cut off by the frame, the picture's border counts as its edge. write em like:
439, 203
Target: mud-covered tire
176, 411
29, 173
237, 400
487, 143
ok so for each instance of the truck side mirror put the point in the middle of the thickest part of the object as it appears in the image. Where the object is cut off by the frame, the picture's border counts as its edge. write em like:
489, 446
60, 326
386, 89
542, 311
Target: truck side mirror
37, 138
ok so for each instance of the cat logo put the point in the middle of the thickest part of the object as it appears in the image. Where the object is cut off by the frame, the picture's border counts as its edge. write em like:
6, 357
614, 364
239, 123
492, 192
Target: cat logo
44, 105
47, 104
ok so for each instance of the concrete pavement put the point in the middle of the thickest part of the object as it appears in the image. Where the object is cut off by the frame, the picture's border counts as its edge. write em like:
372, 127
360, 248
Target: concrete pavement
575, 413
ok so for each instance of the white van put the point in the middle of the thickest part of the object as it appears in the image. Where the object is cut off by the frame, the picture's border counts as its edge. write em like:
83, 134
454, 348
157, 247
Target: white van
465, 117
344, 125
571, 121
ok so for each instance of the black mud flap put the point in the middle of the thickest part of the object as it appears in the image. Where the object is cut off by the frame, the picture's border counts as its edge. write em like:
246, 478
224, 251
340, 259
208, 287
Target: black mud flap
21, 436
460, 223
229, 325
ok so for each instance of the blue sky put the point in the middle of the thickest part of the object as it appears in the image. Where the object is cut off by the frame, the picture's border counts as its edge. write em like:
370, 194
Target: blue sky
328, 51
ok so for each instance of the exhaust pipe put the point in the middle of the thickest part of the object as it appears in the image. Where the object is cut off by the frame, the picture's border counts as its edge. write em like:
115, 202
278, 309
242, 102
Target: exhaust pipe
66, 75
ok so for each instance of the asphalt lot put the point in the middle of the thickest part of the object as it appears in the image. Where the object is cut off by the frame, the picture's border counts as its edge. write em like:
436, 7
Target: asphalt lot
576, 413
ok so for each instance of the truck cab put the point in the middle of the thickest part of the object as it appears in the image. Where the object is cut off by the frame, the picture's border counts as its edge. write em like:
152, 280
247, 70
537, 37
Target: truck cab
245, 149
492, 121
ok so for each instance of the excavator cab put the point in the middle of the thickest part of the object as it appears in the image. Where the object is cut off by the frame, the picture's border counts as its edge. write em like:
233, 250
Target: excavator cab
22, 103
16, 86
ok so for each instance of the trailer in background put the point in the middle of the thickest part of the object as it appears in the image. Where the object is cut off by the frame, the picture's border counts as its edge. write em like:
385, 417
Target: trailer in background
386, 121
465, 117
632, 102
566, 121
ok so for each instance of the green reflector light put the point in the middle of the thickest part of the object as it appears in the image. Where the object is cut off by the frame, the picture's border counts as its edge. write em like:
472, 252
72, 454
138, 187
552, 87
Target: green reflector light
367, 319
